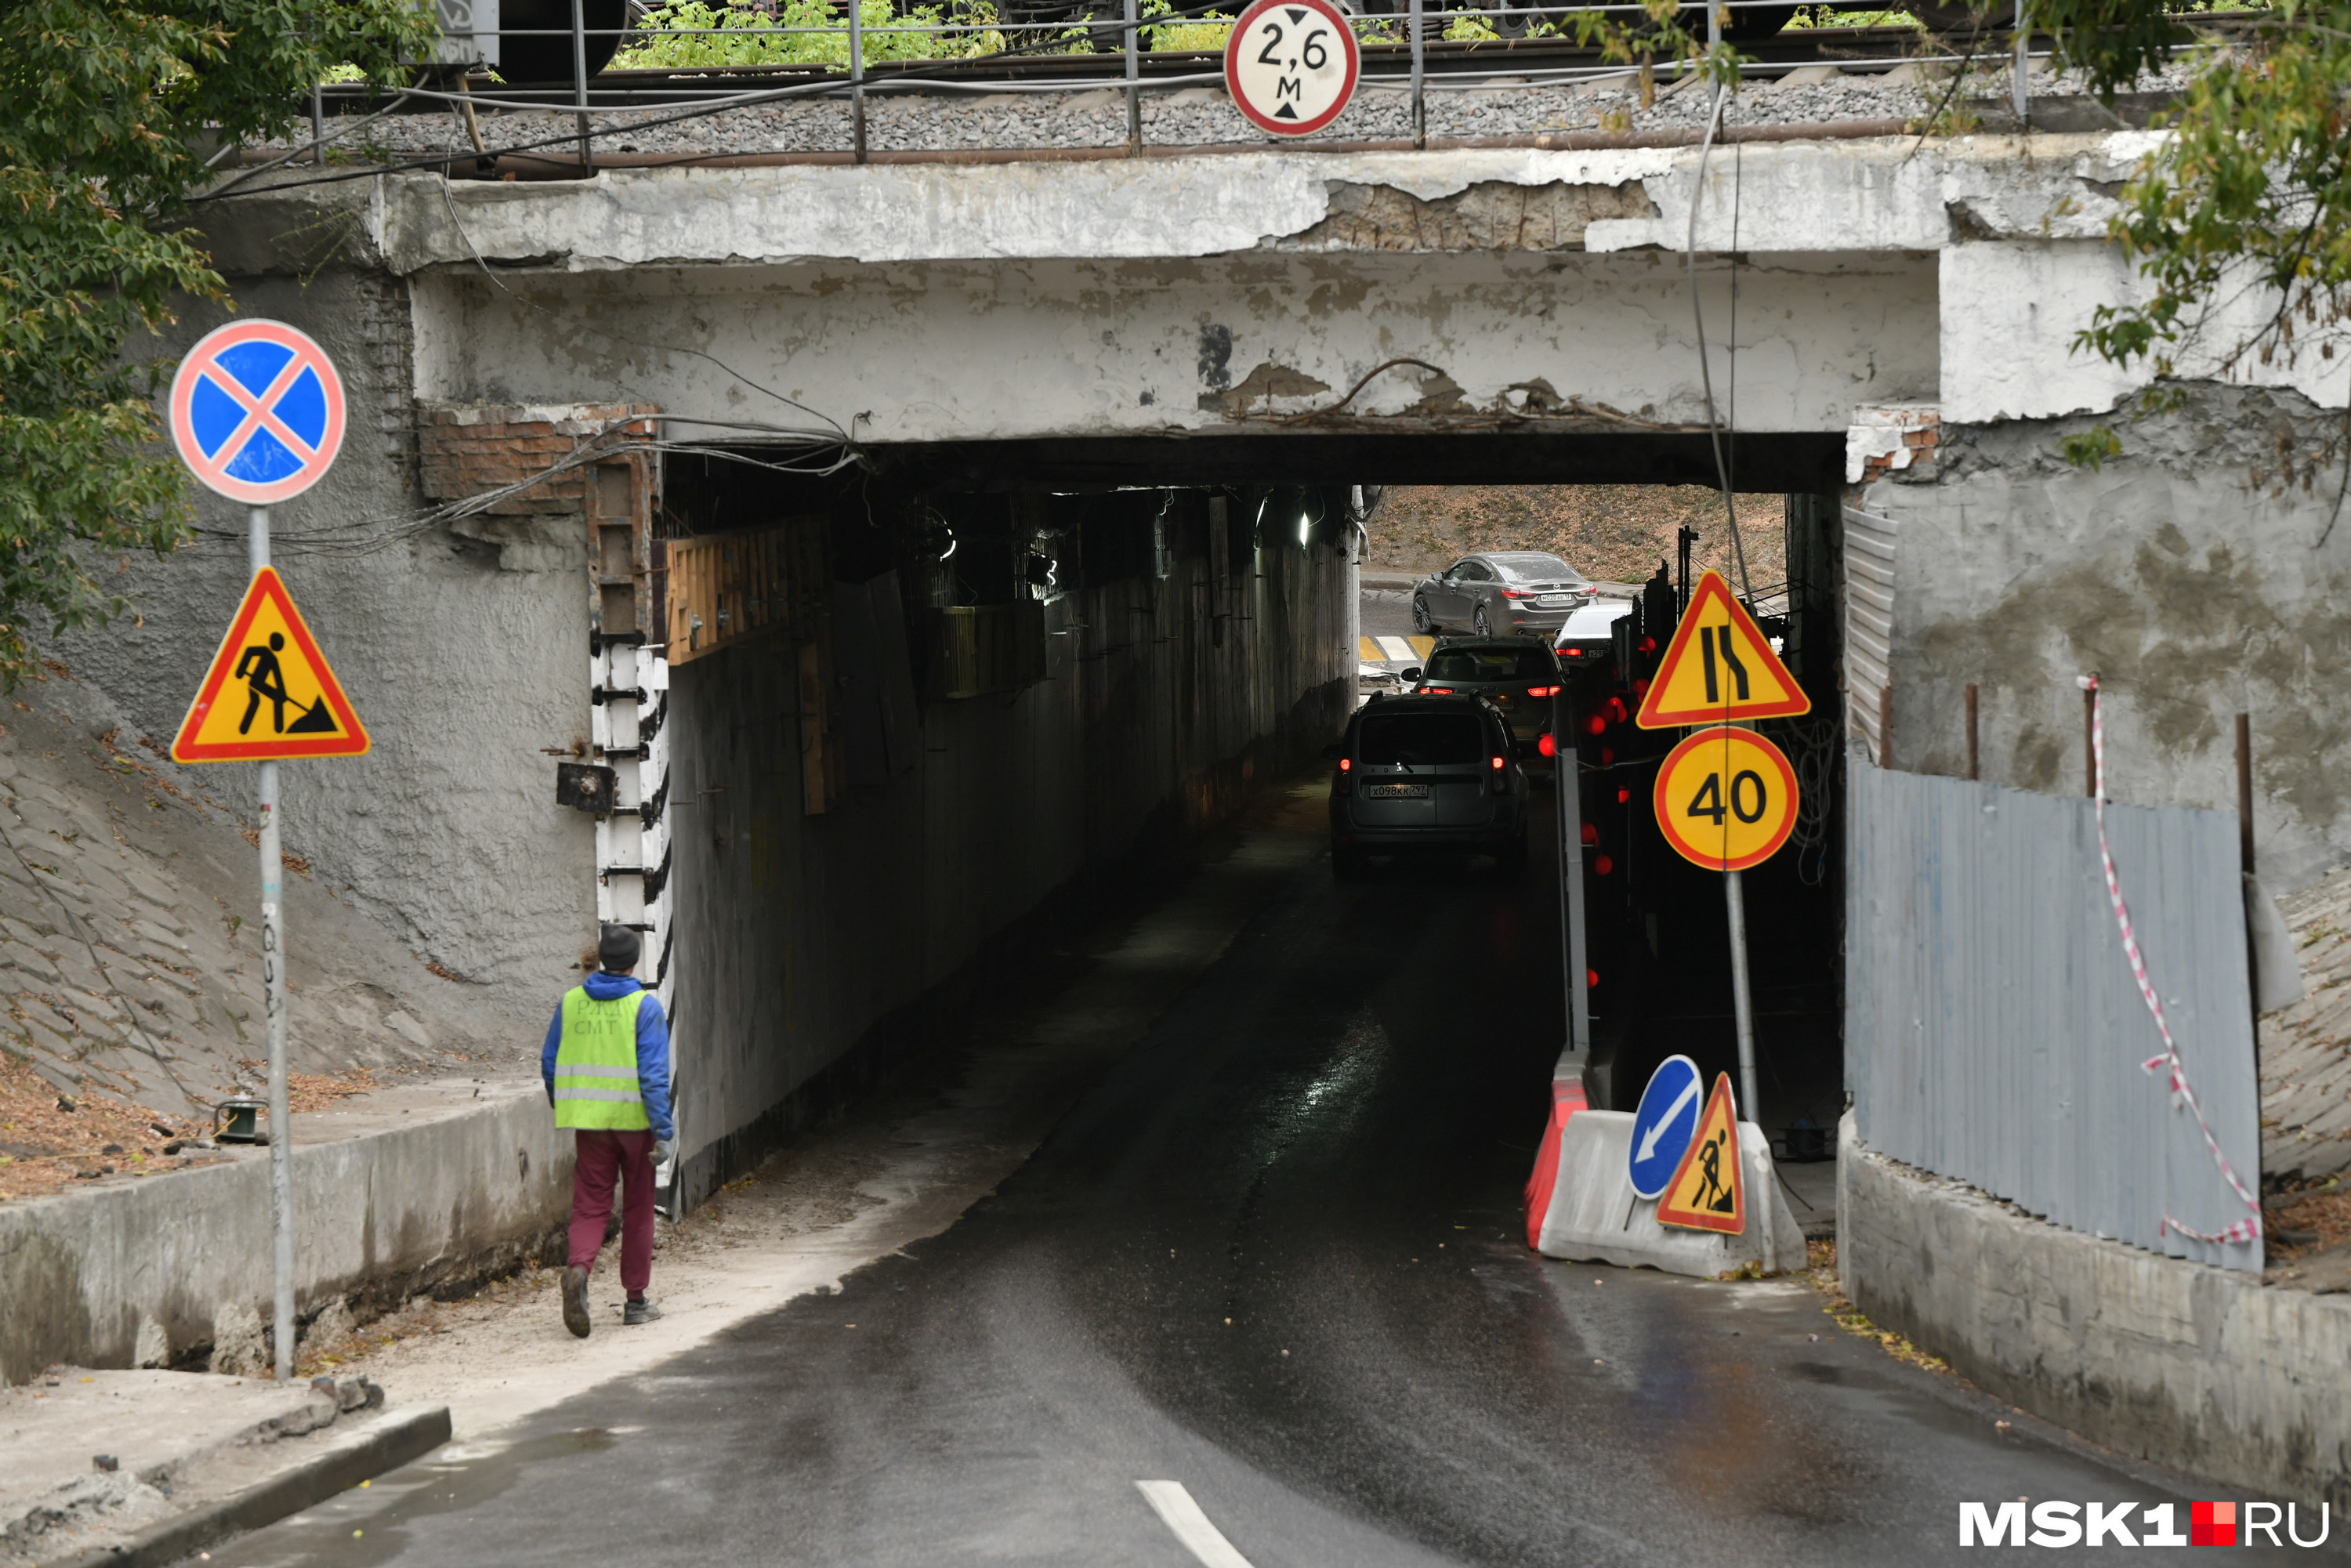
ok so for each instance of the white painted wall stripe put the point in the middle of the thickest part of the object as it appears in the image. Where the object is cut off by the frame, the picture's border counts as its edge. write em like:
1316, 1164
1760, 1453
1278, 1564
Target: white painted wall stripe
1192, 1527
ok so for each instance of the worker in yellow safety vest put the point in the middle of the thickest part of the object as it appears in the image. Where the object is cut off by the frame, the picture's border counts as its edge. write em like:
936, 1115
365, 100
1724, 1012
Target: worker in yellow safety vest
606, 1063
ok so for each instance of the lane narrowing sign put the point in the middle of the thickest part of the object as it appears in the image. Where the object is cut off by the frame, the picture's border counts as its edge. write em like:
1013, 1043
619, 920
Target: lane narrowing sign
1720, 668
256, 411
1663, 1125
1292, 64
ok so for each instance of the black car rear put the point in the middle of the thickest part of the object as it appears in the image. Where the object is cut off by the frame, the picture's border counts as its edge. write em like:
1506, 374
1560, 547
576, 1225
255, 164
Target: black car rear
1520, 676
1420, 774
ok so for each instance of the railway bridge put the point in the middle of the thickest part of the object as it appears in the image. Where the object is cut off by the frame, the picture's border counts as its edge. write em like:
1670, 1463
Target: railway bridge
947, 536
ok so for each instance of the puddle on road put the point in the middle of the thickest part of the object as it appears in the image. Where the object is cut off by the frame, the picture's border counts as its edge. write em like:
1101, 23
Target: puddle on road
456, 1479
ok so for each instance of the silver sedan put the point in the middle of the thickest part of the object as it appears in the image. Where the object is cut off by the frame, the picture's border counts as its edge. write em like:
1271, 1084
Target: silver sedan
1498, 593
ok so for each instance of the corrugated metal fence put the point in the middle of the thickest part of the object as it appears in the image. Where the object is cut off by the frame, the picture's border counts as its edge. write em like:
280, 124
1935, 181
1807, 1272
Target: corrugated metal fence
1993, 1031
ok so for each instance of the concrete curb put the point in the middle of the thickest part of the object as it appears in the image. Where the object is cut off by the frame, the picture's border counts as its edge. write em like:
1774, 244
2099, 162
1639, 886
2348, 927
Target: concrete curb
394, 1440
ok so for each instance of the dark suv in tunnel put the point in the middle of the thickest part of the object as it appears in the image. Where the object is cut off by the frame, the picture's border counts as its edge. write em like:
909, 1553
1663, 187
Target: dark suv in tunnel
1427, 774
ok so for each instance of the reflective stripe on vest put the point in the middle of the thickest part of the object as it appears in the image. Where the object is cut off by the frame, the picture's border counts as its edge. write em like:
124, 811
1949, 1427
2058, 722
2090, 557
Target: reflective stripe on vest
596, 1064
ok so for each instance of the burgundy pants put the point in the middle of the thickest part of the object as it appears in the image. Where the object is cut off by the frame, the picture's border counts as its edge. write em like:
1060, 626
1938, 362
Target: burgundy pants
601, 1159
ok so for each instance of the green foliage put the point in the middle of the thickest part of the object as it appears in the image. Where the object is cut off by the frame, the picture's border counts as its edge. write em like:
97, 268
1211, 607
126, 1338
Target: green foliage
1470, 29
2240, 221
1665, 31
2092, 447
690, 34
1207, 31
101, 107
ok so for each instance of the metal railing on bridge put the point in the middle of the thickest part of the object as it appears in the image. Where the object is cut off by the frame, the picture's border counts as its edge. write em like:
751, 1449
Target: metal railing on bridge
688, 61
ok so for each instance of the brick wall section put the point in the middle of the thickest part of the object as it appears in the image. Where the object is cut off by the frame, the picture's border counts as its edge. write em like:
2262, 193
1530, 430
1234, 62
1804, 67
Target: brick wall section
1901, 439
468, 449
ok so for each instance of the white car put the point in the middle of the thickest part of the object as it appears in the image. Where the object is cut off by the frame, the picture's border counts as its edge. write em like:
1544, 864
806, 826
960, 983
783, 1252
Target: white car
1589, 637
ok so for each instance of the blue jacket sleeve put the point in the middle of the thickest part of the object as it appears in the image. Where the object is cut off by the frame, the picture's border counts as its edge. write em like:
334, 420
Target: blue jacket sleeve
547, 1052
653, 1066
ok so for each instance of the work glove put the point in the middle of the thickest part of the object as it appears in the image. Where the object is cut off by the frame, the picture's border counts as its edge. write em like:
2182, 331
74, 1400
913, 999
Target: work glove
663, 1149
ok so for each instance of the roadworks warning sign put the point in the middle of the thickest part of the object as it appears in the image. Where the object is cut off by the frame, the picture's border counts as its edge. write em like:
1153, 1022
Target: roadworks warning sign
270, 695
1706, 1193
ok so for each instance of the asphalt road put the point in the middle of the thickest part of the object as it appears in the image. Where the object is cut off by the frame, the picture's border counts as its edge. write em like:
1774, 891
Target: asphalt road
1275, 1257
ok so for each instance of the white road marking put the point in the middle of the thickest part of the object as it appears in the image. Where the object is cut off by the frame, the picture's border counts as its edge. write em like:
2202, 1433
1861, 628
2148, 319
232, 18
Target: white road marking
1175, 1505
1649, 1143
1397, 648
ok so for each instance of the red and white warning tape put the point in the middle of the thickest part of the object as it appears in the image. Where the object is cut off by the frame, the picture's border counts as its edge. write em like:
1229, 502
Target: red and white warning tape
2248, 1230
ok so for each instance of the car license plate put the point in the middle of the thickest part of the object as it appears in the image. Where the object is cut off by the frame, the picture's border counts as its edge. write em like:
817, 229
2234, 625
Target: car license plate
1397, 791
1552, 601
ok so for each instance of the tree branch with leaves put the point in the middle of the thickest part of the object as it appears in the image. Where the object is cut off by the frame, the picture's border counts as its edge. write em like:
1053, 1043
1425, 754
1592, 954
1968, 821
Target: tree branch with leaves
105, 108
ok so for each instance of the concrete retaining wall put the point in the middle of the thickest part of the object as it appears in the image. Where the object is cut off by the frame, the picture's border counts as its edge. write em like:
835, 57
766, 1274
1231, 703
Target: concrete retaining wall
2186, 1365
123, 1273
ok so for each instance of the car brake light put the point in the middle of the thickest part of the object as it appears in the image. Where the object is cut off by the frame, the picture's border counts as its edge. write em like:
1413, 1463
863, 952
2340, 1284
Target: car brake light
1622, 796
1437, 691
1495, 762
1346, 764
1547, 746
1543, 691
1597, 724
1516, 593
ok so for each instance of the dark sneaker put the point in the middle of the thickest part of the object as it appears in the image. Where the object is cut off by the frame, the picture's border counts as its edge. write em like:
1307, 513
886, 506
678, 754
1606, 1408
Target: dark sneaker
575, 1302
640, 1312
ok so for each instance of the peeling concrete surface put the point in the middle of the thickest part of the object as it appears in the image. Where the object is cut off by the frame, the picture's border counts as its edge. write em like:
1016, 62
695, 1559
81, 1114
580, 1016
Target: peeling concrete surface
2189, 573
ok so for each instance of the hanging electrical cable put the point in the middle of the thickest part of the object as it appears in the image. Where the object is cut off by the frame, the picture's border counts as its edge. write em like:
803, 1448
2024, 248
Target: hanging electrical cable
1706, 373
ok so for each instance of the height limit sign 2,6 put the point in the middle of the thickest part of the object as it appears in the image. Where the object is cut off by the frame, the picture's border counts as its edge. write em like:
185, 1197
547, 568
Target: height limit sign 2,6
1292, 64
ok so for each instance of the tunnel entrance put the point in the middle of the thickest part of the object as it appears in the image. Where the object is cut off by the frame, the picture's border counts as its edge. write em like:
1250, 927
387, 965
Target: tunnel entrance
1171, 598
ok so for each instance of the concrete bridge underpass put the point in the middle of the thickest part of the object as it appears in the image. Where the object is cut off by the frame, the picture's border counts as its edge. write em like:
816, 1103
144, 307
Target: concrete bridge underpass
932, 529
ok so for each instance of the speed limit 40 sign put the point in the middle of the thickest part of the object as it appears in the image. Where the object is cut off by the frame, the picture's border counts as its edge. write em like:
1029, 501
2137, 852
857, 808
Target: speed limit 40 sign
1292, 64
1726, 799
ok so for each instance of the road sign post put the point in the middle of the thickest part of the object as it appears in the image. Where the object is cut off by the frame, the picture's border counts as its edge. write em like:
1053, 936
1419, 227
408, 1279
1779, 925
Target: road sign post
1726, 798
1567, 784
256, 412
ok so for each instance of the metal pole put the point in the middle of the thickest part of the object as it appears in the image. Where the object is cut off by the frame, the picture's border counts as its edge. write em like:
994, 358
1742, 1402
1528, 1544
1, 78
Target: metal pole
579, 76
2090, 739
1419, 103
857, 76
273, 993
2024, 64
1134, 88
1567, 784
2245, 864
1713, 42
1974, 768
1735, 901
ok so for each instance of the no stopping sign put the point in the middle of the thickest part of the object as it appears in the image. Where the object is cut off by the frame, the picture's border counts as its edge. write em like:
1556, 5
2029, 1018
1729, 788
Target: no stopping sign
1292, 64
